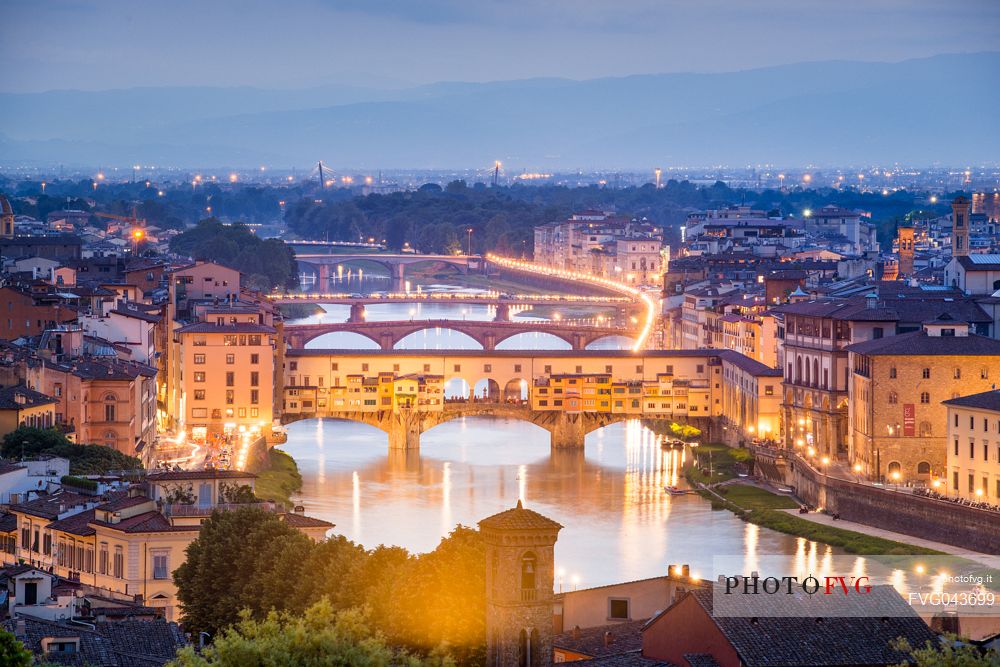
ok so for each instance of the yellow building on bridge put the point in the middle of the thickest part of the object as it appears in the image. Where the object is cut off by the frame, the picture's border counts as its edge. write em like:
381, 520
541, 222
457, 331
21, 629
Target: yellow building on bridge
683, 385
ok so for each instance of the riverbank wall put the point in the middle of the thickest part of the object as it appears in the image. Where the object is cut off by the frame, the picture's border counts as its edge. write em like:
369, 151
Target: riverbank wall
882, 507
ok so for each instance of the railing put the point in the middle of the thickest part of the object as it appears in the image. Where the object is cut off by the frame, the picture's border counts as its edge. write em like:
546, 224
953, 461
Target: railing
185, 510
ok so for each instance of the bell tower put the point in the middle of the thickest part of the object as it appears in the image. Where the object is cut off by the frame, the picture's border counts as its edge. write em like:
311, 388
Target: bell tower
959, 227
520, 546
6, 218
905, 243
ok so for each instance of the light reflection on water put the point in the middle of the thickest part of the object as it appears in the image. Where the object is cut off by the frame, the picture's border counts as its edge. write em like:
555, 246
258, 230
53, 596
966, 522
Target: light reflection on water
620, 524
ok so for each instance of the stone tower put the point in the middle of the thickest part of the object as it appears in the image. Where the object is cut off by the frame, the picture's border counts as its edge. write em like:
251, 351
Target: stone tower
6, 218
905, 243
520, 547
959, 227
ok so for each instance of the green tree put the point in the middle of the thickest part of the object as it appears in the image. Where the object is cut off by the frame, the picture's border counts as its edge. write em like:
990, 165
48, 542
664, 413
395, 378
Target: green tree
83, 459
12, 651
321, 636
684, 431
444, 592
948, 652
242, 559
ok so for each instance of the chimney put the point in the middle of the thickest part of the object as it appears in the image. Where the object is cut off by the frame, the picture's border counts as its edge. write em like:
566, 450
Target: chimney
576, 632
608, 638
21, 629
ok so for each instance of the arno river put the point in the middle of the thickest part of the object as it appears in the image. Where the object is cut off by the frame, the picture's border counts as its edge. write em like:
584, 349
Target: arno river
619, 523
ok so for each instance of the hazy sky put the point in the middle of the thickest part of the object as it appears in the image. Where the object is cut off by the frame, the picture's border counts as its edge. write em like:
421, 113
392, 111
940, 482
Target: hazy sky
99, 44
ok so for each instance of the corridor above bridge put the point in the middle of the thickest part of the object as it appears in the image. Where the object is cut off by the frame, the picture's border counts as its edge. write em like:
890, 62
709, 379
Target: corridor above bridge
461, 298
487, 333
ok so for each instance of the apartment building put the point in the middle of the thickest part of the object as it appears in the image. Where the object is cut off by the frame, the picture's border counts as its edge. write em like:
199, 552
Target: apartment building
128, 543
600, 243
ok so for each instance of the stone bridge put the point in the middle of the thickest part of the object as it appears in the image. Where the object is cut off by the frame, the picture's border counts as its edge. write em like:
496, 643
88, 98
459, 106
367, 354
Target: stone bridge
487, 334
325, 266
405, 425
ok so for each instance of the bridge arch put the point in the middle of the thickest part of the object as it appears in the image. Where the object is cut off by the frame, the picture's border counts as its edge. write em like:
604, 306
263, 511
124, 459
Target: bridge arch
510, 341
343, 340
464, 338
611, 341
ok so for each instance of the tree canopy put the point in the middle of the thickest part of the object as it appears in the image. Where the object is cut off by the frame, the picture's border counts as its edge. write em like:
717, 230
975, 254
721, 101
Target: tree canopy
83, 459
320, 636
443, 592
265, 263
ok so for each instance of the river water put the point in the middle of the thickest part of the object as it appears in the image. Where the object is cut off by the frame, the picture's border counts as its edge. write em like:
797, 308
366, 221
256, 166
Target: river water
619, 523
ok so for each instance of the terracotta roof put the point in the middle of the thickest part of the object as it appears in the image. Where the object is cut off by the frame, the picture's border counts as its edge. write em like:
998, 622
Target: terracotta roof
8, 523
123, 503
47, 506
19, 397
301, 521
630, 659
147, 522
239, 327
809, 639
519, 518
987, 400
624, 638
918, 343
110, 644
78, 524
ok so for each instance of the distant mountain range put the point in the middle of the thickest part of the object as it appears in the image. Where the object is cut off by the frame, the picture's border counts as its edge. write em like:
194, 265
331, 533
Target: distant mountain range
938, 110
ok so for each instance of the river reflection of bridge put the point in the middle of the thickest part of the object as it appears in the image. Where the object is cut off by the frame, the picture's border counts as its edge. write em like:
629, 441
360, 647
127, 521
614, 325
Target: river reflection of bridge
620, 523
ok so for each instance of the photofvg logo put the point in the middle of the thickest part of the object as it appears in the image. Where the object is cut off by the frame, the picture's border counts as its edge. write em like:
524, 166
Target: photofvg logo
815, 584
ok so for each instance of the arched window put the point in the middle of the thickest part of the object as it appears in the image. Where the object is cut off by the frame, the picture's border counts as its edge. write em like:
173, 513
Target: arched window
535, 659
110, 401
925, 397
798, 370
894, 467
923, 468
958, 373
529, 565
815, 372
893, 398
110, 438
925, 429
522, 649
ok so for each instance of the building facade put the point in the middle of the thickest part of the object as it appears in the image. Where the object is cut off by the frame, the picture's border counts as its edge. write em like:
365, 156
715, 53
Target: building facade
973, 447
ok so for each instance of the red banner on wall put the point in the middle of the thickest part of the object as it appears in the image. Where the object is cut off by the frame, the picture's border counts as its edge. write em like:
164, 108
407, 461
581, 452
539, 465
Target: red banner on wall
909, 419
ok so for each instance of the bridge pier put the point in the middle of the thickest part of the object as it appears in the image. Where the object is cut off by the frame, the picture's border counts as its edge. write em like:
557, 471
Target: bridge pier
323, 276
398, 280
404, 430
357, 313
386, 340
489, 341
503, 313
579, 341
568, 432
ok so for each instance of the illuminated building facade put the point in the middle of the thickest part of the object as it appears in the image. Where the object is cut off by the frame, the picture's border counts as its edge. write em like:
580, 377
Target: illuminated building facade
973, 447
897, 388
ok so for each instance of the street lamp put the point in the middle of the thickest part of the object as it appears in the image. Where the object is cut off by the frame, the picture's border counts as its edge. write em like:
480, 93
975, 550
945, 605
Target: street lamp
469, 251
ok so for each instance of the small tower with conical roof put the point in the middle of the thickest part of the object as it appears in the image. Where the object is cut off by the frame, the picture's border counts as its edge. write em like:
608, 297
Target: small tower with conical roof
520, 552
959, 227
6, 218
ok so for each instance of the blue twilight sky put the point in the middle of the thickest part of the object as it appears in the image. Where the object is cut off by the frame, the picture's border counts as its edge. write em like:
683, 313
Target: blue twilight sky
100, 44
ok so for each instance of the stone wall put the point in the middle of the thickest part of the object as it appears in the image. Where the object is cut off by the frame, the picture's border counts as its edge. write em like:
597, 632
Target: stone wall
927, 518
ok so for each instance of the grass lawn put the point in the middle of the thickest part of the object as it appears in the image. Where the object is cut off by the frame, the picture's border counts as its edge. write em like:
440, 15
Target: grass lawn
281, 478
763, 508
753, 498
720, 458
